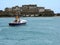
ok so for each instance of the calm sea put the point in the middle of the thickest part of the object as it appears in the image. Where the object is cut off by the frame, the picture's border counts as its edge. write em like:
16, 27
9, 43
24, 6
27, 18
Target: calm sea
37, 31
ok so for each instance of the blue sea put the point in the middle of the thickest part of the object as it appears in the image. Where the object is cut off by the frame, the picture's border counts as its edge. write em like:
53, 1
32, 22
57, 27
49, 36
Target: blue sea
37, 31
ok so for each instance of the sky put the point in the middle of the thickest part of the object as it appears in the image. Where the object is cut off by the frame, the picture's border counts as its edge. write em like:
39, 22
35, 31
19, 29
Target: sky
48, 4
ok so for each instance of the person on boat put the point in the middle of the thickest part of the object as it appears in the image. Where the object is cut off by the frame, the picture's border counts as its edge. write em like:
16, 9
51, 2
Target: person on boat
17, 19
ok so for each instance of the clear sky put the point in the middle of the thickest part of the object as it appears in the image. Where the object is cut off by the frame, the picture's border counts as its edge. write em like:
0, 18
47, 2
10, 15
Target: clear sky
49, 4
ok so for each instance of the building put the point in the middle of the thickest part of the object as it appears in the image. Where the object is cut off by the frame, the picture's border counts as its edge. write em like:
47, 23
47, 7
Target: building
57, 14
16, 10
29, 10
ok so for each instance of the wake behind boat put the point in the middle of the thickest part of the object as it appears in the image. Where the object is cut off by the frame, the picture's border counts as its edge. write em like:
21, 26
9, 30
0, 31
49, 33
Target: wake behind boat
17, 21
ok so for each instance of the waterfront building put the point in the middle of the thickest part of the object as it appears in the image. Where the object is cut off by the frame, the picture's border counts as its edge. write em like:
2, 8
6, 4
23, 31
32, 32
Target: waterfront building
16, 10
48, 12
1, 12
57, 14
41, 9
8, 9
29, 10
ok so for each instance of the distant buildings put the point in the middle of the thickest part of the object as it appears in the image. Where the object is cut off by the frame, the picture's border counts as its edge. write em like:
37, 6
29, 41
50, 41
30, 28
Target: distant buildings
27, 11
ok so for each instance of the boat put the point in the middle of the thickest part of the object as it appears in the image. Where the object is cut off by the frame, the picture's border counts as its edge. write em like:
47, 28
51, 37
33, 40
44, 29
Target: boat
17, 22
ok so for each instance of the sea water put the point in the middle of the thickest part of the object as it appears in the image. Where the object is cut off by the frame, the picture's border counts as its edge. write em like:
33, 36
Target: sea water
37, 31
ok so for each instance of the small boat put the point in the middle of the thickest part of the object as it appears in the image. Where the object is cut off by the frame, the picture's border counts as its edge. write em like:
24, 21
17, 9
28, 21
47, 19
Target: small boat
17, 22
22, 22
